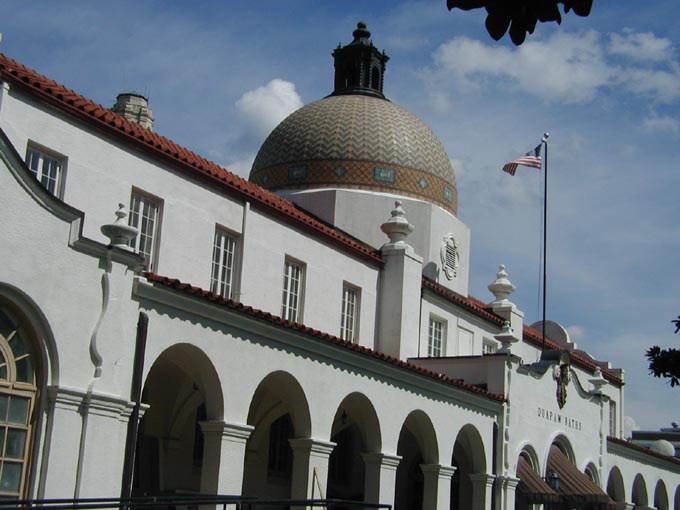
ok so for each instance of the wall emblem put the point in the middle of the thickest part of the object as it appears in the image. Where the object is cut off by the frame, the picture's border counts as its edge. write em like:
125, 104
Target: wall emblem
561, 375
450, 256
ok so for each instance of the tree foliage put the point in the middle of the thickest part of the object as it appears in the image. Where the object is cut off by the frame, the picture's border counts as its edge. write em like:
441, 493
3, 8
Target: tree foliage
520, 16
665, 362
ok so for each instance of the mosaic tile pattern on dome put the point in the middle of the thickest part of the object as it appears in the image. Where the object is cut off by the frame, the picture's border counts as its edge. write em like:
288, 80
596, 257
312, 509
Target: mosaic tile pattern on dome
357, 128
364, 175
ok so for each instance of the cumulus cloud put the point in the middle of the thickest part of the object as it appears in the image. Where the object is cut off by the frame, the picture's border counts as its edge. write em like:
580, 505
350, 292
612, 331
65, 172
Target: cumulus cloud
641, 46
262, 109
567, 67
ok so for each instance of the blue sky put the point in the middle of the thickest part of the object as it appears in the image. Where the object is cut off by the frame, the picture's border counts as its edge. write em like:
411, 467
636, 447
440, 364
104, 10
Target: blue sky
220, 75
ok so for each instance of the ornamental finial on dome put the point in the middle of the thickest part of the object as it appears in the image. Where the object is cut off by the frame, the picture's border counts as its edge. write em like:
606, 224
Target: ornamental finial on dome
361, 34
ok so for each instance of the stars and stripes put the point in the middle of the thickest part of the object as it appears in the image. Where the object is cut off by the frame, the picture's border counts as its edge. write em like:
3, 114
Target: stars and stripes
531, 159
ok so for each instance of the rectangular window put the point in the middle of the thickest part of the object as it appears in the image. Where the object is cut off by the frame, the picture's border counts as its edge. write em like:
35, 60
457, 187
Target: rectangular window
349, 318
435, 337
145, 213
47, 168
612, 418
223, 263
293, 284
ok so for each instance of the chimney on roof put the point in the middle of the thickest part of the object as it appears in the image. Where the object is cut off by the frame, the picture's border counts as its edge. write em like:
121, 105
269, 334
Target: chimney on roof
134, 107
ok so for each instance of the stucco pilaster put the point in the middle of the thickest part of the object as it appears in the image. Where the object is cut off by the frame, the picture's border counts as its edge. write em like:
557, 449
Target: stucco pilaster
482, 490
381, 476
223, 456
436, 486
505, 491
310, 467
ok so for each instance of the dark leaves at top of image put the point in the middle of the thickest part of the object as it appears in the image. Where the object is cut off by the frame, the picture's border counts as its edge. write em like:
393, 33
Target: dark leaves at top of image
520, 16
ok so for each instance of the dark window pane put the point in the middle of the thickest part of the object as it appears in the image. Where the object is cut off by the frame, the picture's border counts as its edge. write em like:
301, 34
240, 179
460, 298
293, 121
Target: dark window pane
18, 410
3, 407
25, 370
16, 440
11, 477
18, 345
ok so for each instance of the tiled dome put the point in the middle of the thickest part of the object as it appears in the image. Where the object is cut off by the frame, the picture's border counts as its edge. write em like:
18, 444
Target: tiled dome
358, 142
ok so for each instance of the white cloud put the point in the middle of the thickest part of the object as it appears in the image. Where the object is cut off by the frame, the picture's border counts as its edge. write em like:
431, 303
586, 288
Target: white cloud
656, 122
567, 67
641, 46
262, 109
629, 425
576, 333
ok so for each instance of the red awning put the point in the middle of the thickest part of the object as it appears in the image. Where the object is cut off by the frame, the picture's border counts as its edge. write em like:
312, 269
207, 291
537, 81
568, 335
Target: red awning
532, 487
575, 487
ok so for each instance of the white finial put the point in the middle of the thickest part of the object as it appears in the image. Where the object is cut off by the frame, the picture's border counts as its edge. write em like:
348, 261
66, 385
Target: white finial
119, 232
502, 287
397, 228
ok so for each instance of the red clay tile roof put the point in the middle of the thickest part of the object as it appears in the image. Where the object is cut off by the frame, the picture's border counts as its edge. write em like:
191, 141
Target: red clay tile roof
205, 295
166, 150
530, 335
469, 303
641, 449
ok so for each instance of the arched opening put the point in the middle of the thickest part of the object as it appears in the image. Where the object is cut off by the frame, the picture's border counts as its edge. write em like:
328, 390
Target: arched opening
676, 504
278, 412
639, 492
591, 473
532, 489
355, 431
660, 496
375, 79
417, 445
182, 391
615, 488
20, 385
468, 458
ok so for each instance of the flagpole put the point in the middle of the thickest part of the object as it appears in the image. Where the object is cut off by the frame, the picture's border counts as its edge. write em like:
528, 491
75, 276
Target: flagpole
545, 230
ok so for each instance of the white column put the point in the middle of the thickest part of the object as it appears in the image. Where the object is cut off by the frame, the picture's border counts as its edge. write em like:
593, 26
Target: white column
437, 486
223, 457
505, 487
82, 456
482, 490
381, 477
310, 467
60, 451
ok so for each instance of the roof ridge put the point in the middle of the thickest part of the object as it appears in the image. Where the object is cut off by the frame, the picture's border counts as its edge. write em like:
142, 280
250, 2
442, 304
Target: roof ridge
161, 147
200, 293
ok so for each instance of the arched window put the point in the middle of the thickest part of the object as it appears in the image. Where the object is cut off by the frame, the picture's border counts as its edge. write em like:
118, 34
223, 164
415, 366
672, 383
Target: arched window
375, 79
18, 392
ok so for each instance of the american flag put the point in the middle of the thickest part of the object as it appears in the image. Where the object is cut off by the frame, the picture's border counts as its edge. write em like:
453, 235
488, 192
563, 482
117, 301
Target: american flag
531, 159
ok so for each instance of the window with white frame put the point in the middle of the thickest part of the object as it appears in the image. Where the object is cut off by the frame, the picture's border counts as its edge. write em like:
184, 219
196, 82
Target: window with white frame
349, 317
435, 336
145, 215
223, 263
293, 285
47, 167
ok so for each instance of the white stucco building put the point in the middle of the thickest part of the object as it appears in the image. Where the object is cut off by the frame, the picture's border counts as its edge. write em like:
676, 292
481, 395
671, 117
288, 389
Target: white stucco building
304, 333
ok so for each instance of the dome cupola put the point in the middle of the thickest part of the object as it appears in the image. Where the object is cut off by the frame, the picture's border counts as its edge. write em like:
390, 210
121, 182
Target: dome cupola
355, 139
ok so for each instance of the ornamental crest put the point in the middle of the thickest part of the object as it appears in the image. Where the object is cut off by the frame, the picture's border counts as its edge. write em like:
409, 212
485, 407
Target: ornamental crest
561, 375
450, 256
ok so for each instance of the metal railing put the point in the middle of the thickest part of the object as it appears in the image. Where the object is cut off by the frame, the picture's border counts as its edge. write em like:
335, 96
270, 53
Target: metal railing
187, 502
